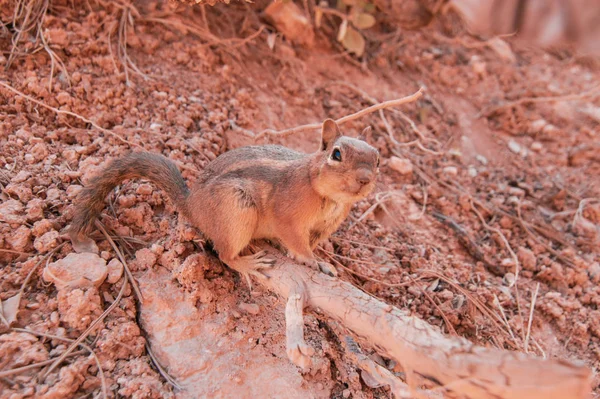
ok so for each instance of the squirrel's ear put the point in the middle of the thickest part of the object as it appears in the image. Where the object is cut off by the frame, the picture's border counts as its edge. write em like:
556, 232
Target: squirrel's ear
329, 134
366, 133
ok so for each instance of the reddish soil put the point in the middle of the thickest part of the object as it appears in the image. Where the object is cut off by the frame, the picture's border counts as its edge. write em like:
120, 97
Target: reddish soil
531, 168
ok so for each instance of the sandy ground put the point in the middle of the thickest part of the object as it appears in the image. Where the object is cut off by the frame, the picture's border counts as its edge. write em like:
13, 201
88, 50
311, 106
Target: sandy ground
530, 168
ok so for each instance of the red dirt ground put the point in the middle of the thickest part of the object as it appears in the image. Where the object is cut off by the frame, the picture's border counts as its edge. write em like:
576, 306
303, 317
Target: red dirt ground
532, 169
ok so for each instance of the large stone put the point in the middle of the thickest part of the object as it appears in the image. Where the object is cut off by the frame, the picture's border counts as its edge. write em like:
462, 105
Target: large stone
77, 271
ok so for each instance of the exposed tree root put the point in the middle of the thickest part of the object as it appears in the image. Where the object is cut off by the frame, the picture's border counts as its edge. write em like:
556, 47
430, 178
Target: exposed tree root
455, 363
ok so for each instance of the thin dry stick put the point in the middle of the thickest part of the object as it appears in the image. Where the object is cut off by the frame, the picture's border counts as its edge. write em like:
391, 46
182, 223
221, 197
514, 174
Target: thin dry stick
134, 284
380, 197
502, 236
87, 332
512, 254
347, 118
161, 370
449, 325
568, 97
69, 113
533, 299
70, 352
18, 370
10, 251
478, 304
424, 207
505, 319
331, 256
388, 126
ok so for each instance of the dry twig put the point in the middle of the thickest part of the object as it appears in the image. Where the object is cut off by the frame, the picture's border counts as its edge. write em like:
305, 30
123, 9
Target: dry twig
347, 118
70, 352
488, 111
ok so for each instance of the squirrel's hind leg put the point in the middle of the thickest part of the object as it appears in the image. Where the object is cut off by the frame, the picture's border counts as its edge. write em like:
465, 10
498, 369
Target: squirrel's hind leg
231, 225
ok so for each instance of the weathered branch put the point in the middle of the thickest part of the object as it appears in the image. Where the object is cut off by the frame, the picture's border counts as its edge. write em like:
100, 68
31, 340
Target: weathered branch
462, 367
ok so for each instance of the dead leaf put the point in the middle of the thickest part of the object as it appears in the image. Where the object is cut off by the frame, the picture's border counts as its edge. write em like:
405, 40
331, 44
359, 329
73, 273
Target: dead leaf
9, 309
363, 20
354, 42
271, 40
503, 49
318, 17
343, 30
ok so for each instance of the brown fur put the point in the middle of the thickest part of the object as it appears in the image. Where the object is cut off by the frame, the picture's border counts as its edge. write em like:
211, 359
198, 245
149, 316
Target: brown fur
252, 192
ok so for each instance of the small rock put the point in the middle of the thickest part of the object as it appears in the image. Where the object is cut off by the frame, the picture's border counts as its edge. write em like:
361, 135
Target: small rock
115, 271
508, 279
538, 125
514, 146
77, 271
472, 171
527, 258
155, 126
450, 170
46, 241
251, 308
401, 165
516, 191
594, 272
20, 239
145, 258
73, 190
536, 146
79, 307
346, 393
11, 212
479, 67
384, 270
21, 177
144, 189
483, 160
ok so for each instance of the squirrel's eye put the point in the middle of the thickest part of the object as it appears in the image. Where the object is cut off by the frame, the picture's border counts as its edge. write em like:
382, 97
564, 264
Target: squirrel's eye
336, 155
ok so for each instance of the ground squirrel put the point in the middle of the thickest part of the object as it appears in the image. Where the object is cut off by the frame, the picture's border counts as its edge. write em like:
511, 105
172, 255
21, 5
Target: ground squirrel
254, 192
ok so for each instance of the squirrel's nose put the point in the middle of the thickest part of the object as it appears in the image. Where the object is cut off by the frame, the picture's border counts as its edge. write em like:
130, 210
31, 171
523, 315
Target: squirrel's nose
364, 176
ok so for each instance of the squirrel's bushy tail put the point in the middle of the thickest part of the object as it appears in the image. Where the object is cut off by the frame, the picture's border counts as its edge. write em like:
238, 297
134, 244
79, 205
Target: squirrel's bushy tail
156, 168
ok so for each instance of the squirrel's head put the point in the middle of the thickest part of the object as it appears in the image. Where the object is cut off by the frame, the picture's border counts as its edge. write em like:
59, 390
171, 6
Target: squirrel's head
346, 167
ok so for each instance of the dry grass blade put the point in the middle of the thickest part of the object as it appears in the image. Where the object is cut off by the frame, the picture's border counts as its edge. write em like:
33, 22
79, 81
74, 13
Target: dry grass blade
488, 111
478, 304
347, 118
136, 288
28, 19
70, 352
9, 313
18, 370
332, 257
515, 283
449, 325
160, 369
87, 332
533, 299
69, 113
